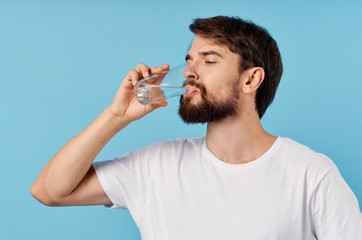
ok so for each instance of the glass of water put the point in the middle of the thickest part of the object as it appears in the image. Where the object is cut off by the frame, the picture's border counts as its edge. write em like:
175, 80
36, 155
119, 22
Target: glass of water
158, 88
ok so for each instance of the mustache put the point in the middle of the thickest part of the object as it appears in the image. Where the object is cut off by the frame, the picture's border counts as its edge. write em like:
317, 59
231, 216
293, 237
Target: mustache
193, 83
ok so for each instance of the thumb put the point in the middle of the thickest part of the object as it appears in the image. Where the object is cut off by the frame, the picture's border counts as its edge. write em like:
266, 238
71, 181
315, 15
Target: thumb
156, 105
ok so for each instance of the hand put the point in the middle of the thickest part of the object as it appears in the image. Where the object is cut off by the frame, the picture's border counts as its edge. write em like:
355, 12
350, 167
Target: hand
125, 104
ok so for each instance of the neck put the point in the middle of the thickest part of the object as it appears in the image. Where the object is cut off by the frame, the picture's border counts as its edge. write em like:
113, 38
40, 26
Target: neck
238, 139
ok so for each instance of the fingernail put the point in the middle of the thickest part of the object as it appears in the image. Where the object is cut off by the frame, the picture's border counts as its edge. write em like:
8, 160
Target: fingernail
147, 74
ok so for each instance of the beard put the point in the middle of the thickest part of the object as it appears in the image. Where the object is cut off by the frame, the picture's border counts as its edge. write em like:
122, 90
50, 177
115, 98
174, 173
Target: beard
210, 109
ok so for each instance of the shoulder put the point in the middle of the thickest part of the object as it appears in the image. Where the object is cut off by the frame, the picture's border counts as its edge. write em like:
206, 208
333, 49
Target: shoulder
177, 144
300, 156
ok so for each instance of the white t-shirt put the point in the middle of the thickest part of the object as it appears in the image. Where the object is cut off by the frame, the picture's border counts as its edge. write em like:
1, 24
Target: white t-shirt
179, 190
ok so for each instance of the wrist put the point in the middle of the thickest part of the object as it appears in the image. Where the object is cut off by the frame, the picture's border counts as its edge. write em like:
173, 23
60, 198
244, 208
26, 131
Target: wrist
116, 120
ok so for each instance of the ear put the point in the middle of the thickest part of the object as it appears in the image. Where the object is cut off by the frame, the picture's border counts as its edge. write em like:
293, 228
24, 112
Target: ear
253, 79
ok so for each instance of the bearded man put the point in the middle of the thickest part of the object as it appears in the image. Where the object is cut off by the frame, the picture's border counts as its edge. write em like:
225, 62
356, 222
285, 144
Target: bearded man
237, 182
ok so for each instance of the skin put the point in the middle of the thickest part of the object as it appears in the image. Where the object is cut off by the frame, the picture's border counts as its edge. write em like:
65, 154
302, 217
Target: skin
241, 138
238, 139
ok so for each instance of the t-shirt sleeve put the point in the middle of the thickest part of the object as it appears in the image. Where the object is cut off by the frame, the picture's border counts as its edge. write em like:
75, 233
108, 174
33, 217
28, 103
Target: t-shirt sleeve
125, 178
334, 209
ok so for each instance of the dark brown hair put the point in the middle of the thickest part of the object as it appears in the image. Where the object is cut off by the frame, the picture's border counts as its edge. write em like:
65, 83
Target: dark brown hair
253, 44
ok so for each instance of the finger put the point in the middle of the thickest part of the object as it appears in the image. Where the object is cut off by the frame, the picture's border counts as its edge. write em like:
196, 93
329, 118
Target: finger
165, 67
160, 69
157, 70
132, 77
164, 104
157, 105
143, 69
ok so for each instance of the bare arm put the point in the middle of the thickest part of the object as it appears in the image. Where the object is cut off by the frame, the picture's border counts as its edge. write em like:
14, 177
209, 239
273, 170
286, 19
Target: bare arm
69, 178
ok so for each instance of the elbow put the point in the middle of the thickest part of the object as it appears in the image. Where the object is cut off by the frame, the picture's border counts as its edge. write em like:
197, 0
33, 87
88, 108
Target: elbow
41, 195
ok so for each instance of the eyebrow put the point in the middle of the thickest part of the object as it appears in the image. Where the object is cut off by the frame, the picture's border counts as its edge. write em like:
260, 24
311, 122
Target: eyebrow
204, 54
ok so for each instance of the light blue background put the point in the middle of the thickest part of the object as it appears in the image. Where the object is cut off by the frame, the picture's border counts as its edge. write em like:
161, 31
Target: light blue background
62, 61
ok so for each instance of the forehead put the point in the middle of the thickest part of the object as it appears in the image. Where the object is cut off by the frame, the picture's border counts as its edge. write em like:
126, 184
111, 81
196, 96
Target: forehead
201, 44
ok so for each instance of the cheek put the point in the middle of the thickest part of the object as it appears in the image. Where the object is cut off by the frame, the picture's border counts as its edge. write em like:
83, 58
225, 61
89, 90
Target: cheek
217, 92
219, 81
222, 86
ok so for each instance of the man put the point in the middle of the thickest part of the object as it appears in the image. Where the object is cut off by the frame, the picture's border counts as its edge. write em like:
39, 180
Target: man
238, 182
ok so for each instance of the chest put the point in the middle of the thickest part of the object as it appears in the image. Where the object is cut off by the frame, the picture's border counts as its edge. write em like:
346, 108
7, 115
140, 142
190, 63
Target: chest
212, 205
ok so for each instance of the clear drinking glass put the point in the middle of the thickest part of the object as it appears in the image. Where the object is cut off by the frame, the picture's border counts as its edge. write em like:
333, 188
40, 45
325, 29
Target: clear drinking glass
158, 88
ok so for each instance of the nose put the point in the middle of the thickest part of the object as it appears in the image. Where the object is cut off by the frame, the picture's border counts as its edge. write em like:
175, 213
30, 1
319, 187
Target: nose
190, 74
